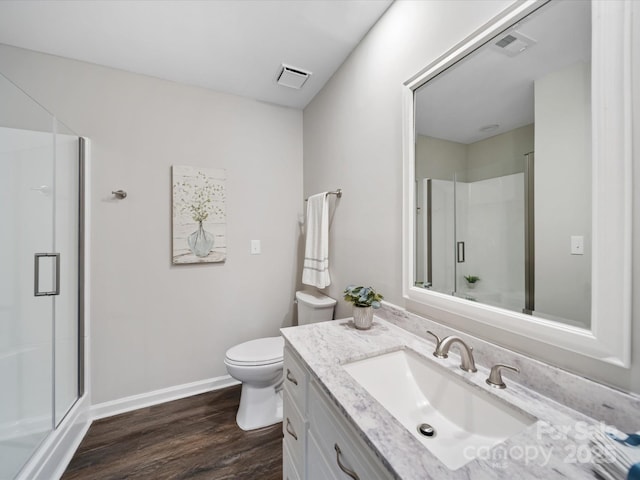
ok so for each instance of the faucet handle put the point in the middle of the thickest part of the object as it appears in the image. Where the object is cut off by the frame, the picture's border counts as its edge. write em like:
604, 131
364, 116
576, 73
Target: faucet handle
495, 376
434, 336
438, 340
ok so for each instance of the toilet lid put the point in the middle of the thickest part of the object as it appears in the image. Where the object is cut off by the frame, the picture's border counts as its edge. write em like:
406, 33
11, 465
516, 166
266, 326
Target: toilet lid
262, 351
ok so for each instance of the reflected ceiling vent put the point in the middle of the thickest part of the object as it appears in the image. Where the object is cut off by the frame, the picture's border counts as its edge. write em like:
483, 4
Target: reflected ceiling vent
513, 43
292, 77
489, 128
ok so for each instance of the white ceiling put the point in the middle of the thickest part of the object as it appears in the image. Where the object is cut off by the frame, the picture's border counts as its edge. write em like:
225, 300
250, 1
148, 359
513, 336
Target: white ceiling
491, 88
233, 46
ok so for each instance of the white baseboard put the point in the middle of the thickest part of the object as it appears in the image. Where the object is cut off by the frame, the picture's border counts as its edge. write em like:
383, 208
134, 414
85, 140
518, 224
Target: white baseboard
52, 457
127, 404
59, 458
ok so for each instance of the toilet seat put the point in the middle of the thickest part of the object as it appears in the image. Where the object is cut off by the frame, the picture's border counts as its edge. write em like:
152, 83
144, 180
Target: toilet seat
263, 351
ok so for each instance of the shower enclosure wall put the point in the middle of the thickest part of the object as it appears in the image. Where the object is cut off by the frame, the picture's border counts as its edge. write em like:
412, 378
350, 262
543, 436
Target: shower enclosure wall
41, 325
474, 229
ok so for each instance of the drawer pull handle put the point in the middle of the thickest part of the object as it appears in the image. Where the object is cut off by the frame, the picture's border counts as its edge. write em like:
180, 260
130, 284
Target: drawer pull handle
346, 470
291, 378
290, 429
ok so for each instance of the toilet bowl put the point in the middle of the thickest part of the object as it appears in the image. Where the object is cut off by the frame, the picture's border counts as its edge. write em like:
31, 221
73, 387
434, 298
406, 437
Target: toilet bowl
258, 365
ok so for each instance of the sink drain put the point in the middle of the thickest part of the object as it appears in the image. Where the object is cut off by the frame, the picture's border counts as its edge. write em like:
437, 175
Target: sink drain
426, 430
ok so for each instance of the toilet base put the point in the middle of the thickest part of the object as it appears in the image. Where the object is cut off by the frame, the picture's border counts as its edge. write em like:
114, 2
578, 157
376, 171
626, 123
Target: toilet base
259, 406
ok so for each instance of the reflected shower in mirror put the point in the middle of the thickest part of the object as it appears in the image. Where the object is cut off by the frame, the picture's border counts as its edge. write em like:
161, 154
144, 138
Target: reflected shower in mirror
503, 170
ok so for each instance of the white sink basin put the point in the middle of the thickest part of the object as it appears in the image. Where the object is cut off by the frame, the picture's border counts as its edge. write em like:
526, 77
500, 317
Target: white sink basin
467, 420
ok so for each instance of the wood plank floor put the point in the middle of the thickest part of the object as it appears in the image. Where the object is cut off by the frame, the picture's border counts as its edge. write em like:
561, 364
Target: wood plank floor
192, 438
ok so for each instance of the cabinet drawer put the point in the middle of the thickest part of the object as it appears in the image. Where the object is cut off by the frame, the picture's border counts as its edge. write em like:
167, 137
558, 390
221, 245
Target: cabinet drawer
294, 429
289, 471
296, 379
317, 466
354, 455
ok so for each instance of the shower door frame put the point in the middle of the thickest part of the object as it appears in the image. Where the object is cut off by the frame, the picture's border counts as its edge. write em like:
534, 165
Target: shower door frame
82, 211
529, 234
82, 152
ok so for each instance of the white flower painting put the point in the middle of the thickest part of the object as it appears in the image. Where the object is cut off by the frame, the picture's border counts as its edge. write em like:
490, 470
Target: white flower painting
199, 215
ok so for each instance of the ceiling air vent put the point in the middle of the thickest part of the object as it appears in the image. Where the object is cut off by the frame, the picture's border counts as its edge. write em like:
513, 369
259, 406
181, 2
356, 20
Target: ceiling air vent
506, 41
513, 43
292, 77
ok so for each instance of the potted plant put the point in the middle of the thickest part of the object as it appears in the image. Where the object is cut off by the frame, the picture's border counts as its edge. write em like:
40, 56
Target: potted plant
471, 280
364, 300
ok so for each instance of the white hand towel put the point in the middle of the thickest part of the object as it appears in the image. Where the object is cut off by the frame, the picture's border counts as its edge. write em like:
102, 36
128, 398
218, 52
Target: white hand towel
316, 253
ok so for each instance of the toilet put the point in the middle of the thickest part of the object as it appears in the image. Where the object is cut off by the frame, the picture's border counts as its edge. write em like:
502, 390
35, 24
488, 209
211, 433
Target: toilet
258, 365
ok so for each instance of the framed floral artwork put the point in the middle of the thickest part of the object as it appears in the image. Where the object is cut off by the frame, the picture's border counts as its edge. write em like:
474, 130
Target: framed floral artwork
199, 215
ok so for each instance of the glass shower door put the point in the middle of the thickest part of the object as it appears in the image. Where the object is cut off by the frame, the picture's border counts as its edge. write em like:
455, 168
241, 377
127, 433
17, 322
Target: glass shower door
439, 206
490, 238
26, 282
40, 288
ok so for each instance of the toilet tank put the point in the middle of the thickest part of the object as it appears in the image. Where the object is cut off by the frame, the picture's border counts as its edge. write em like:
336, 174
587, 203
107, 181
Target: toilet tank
314, 307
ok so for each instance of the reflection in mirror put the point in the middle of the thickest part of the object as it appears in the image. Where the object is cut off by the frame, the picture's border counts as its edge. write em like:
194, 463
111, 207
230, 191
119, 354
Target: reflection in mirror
503, 170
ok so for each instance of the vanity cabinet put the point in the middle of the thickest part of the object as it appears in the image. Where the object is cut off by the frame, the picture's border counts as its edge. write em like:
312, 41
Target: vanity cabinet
294, 418
318, 443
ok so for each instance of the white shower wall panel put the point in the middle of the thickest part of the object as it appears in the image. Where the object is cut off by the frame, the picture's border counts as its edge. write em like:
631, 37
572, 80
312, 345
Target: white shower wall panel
493, 233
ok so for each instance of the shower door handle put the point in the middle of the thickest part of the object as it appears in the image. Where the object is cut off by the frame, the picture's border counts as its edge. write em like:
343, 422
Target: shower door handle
460, 252
36, 275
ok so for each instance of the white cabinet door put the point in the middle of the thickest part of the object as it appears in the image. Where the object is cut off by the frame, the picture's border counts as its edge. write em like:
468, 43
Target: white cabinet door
294, 418
317, 467
294, 429
296, 379
289, 471
318, 444
345, 453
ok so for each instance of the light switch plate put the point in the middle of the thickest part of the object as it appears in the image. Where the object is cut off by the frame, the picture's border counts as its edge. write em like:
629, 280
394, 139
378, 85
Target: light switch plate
577, 245
255, 247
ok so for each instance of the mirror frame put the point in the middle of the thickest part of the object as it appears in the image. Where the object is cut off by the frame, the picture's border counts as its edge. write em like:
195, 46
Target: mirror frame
608, 339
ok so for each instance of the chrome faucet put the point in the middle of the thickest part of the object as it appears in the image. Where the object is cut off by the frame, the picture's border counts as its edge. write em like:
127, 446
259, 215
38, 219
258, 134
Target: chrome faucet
466, 352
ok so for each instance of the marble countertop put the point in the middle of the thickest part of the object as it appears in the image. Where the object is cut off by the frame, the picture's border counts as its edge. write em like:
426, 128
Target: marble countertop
553, 447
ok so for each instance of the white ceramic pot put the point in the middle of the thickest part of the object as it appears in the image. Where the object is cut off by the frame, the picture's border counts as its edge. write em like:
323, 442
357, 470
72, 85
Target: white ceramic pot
363, 317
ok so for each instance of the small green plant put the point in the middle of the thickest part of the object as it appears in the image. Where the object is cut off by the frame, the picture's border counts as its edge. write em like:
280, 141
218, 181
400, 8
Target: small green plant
471, 278
362, 296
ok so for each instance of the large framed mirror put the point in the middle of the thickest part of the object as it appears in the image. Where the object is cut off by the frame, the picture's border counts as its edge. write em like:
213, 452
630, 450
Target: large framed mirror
517, 194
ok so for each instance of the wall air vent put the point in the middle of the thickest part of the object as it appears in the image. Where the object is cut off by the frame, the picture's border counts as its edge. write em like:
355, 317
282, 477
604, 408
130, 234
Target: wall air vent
292, 77
513, 43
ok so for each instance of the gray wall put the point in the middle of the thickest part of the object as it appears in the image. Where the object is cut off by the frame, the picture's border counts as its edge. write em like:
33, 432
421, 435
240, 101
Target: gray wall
353, 137
499, 155
440, 159
155, 325
490, 158
353, 140
563, 193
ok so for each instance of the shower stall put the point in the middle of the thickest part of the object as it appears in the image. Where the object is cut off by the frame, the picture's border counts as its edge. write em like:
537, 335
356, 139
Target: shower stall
41, 276
477, 237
